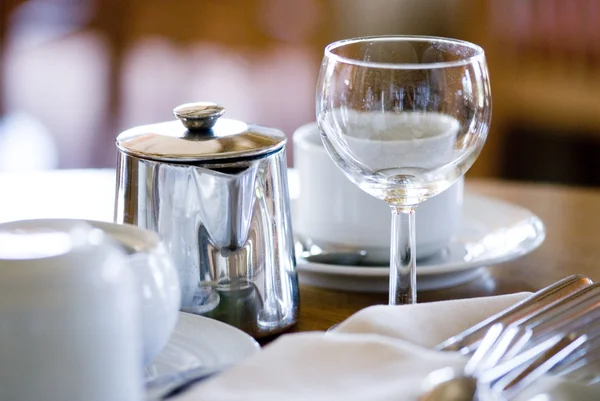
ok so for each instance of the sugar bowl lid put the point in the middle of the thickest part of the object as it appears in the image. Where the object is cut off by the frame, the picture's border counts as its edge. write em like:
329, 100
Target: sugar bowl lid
203, 137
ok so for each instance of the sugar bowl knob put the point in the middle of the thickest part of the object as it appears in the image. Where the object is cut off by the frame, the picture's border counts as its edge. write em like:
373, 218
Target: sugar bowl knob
199, 116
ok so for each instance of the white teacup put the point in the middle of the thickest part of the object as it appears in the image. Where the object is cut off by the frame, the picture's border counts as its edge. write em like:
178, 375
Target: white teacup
334, 214
69, 316
420, 140
157, 282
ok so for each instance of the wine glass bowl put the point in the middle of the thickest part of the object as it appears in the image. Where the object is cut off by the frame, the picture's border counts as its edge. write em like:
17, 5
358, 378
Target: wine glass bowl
403, 117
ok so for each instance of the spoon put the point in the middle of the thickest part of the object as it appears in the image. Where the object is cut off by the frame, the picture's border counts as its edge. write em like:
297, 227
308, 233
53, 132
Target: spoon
336, 255
445, 384
451, 385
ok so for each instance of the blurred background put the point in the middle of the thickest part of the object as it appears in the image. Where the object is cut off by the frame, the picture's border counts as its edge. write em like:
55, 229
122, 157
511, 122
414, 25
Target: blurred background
74, 73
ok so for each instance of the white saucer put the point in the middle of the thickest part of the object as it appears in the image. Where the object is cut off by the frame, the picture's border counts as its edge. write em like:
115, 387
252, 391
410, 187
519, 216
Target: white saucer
201, 342
492, 232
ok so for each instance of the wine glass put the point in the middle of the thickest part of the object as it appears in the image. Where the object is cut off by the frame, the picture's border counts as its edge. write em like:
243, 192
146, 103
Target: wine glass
403, 117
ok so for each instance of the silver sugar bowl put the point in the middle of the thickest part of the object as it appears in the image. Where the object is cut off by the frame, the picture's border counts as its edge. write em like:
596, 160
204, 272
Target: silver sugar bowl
216, 192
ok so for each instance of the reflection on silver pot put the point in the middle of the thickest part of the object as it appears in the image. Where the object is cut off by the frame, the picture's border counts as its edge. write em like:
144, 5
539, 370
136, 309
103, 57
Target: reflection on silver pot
216, 192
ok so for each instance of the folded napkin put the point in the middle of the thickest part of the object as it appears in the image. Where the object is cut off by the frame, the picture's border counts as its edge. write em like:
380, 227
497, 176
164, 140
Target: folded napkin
381, 353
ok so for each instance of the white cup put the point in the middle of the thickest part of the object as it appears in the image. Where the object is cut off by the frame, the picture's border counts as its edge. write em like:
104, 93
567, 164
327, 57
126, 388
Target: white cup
69, 321
420, 140
156, 279
333, 213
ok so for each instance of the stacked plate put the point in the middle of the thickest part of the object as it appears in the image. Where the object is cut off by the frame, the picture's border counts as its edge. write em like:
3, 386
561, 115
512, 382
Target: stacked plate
491, 232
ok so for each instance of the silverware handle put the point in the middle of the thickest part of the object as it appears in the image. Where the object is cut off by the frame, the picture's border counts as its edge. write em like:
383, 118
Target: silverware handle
531, 306
578, 313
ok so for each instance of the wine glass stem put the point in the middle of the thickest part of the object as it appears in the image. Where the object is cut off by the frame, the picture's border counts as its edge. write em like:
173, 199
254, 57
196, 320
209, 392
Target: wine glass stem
403, 273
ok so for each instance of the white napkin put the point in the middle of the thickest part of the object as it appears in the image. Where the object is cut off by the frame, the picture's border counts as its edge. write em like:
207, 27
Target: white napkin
380, 353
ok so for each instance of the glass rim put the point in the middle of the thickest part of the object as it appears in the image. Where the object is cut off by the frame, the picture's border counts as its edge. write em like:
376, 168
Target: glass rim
479, 52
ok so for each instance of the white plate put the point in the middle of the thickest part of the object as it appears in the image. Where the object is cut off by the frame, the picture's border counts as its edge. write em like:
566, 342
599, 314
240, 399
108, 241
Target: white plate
492, 232
199, 341
89, 194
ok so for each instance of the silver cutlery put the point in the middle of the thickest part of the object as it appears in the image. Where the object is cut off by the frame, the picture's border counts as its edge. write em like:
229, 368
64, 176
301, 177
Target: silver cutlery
555, 330
484, 378
509, 379
578, 313
467, 341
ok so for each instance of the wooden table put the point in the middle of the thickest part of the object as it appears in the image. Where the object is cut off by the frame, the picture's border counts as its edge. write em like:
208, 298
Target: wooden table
572, 245
571, 216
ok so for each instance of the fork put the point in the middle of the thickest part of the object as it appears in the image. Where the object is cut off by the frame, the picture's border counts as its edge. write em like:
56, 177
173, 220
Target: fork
487, 375
556, 329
